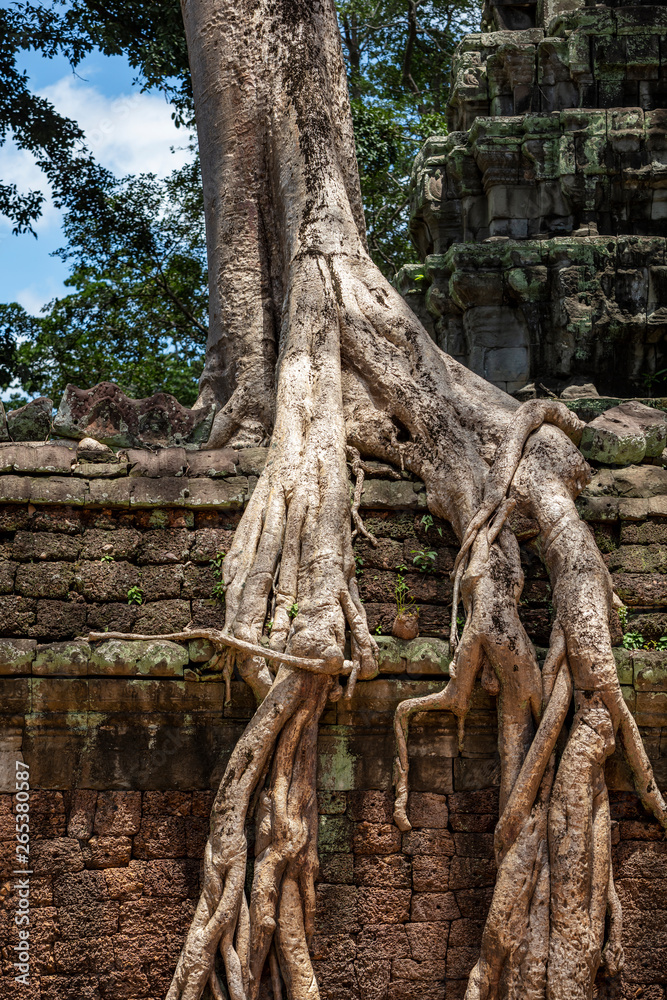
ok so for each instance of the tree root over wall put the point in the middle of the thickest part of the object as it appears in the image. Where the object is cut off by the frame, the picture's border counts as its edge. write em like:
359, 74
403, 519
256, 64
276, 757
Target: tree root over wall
313, 350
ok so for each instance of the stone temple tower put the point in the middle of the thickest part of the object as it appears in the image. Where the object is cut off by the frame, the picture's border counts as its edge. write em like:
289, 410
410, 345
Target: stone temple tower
541, 218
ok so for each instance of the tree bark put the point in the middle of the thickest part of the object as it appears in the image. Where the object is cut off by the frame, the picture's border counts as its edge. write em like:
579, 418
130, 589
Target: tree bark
312, 349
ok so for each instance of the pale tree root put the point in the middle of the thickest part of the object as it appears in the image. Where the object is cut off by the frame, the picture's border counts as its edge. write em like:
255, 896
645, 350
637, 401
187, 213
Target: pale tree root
285, 726
291, 558
533, 946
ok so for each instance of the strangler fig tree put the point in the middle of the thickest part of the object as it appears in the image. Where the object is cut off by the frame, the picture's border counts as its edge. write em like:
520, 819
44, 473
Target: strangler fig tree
313, 352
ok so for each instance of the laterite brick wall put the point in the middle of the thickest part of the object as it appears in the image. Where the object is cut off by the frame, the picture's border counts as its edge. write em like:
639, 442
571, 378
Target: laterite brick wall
126, 742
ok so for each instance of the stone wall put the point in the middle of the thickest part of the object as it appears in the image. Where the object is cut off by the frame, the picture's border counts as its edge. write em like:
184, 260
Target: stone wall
540, 217
126, 742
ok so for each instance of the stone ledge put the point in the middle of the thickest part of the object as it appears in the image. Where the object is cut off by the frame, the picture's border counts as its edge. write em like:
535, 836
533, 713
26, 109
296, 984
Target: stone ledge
645, 670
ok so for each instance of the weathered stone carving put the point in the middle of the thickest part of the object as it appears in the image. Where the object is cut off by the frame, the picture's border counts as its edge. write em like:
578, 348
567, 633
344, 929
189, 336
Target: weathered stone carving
106, 414
565, 202
599, 57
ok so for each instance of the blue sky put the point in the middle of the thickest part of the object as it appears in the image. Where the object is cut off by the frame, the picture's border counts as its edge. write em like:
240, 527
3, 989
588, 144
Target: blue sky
129, 132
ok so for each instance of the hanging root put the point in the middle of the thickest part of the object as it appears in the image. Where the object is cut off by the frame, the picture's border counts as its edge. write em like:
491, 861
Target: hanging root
455, 697
359, 471
528, 418
221, 639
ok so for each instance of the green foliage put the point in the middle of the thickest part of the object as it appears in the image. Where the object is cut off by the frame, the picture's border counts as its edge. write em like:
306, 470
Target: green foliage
108, 558
55, 142
136, 314
218, 592
633, 640
424, 559
427, 522
135, 595
404, 599
358, 565
398, 58
293, 610
655, 380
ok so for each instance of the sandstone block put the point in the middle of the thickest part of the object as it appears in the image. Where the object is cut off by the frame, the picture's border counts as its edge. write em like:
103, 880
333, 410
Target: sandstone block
155, 465
425, 657
110, 492
218, 494
379, 494
251, 461
65, 659
650, 669
59, 694
625, 434
390, 657
470, 775
14, 489
31, 422
212, 463
16, 656
51, 490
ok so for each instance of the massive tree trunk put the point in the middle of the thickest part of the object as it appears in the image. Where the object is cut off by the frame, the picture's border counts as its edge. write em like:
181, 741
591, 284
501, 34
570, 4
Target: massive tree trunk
312, 350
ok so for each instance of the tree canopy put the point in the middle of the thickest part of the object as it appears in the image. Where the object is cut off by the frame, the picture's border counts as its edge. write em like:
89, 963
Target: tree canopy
136, 310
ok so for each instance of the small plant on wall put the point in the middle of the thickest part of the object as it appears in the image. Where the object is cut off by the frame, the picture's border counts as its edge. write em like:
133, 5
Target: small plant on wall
135, 595
406, 622
218, 592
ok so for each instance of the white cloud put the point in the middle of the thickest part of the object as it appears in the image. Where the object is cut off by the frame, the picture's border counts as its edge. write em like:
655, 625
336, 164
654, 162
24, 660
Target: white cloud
35, 296
129, 134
